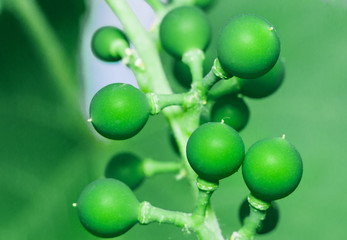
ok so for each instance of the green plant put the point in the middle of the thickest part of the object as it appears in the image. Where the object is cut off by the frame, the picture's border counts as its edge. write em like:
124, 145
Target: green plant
209, 152
248, 48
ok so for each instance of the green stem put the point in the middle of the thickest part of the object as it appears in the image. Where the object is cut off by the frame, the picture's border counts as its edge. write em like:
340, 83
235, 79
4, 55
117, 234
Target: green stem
209, 80
257, 215
144, 45
55, 58
224, 87
206, 190
152, 167
149, 214
160, 101
195, 59
158, 83
249, 229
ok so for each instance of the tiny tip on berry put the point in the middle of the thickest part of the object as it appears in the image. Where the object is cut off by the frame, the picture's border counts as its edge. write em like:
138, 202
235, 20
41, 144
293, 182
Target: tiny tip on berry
283, 136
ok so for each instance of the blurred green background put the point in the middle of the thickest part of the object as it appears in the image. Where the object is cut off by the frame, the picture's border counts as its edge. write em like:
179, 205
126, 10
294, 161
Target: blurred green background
49, 152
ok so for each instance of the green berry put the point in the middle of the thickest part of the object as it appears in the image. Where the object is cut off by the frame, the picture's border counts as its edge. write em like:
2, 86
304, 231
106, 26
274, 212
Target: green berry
264, 85
272, 169
108, 43
203, 3
126, 167
119, 111
107, 208
215, 151
232, 110
248, 46
183, 29
268, 224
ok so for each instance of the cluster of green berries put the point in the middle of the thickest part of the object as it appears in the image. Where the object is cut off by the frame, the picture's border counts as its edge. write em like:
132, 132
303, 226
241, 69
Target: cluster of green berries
247, 50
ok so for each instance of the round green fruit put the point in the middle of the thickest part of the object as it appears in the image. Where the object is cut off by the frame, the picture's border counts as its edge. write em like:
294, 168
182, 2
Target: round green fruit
268, 224
107, 208
108, 43
119, 111
272, 169
264, 85
203, 3
215, 151
248, 46
126, 167
232, 110
183, 29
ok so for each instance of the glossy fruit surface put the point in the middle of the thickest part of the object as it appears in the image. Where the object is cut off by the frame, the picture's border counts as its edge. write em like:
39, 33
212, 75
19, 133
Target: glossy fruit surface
248, 46
107, 42
127, 168
107, 208
183, 29
268, 224
232, 110
215, 151
264, 85
119, 111
272, 169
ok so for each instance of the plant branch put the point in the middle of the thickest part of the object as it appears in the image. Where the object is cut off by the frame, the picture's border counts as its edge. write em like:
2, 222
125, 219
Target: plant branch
152, 167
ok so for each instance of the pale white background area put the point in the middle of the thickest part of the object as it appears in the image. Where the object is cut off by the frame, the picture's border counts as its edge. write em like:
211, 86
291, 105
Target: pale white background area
95, 73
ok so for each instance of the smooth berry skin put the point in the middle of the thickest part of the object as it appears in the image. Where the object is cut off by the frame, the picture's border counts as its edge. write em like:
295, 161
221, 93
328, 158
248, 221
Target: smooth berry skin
107, 208
127, 168
248, 46
119, 111
264, 85
268, 224
108, 42
183, 29
272, 169
232, 110
215, 151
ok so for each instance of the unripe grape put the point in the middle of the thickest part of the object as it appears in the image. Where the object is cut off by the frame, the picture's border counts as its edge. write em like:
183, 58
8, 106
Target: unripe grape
215, 151
126, 167
232, 110
183, 29
108, 42
107, 208
272, 169
119, 111
248, 46
264, 85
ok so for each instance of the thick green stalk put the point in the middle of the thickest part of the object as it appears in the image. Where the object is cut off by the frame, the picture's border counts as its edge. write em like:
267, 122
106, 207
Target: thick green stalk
144, 45
157, 83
